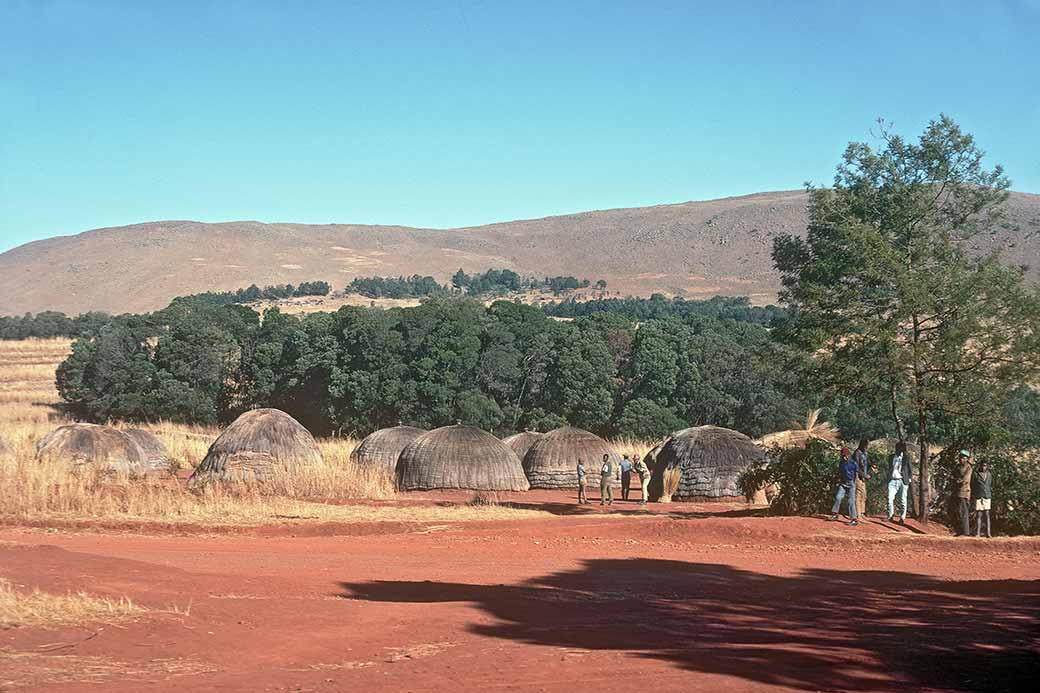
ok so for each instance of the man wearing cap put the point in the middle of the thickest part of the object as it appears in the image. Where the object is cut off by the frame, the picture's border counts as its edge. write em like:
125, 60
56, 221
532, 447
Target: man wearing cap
962, 481
644, 476
847, 472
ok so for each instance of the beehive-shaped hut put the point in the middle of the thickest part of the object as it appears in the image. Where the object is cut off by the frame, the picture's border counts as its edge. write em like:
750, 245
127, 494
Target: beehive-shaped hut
703, 463
552, 462
89, 445
259, 445
383, 447
459, 457
157, 457
522, 442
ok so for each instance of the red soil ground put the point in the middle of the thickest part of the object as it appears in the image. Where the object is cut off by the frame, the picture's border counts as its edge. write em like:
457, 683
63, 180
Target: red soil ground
697, 597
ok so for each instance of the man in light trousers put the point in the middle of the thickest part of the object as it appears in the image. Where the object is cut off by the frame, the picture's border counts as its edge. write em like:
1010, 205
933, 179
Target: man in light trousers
900, 476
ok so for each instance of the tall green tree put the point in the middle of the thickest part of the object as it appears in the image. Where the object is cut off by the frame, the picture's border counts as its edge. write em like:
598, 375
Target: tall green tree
886, 291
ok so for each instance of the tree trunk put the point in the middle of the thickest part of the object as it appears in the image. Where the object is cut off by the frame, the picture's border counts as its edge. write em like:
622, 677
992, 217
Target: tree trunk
893, 402
925, 464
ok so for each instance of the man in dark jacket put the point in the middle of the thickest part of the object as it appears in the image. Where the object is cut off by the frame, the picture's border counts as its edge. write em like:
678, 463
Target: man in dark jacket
982, 495
962, 492
847, 474
900, 475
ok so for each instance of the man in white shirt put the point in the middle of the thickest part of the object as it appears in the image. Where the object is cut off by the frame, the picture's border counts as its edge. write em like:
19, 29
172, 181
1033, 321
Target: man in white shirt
899, 477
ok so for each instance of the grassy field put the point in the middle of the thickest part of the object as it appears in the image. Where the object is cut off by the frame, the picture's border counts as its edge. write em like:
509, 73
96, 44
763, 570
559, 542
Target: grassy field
41, 492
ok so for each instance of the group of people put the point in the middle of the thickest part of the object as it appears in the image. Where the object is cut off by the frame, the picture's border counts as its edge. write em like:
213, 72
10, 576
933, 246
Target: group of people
973, 487
608, 474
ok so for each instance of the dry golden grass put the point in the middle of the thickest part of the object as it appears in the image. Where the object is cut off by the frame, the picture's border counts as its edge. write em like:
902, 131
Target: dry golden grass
27, 368
632, 446
36, 608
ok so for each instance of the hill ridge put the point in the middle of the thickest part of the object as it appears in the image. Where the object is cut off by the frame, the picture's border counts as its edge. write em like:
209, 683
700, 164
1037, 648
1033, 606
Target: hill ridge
695, 249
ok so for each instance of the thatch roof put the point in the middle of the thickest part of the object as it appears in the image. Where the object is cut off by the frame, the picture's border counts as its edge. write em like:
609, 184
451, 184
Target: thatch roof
259, 445
522, 442
157, 457
703, 463
459, 457
800, 435
100, 447
650, 458
552, 461
383, 447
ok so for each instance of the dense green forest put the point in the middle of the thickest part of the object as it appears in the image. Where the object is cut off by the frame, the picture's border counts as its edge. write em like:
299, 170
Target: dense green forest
502, 367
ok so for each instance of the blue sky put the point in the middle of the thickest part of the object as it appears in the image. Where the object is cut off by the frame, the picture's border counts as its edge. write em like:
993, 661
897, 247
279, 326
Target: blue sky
460, 113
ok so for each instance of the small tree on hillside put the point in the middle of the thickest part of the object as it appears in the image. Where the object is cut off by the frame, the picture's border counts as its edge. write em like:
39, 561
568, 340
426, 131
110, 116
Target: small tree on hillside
884, 291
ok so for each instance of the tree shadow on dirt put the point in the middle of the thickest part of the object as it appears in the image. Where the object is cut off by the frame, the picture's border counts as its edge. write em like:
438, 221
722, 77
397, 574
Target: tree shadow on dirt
821, 629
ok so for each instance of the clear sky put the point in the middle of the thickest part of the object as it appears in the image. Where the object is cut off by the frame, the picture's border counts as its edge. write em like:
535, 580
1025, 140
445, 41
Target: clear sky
448, 114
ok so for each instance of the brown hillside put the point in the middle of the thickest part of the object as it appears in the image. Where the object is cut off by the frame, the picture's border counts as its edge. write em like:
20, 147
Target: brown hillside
695, 249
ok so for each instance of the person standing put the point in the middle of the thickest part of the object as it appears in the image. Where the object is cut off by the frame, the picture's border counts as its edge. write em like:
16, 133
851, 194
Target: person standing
626, 477
982, 495
962, 479
607, 474
862, 475
846, 488
644, 477
900, 476
583, 496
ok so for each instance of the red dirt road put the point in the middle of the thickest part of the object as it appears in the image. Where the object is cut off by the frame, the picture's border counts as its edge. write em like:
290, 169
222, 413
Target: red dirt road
702, 598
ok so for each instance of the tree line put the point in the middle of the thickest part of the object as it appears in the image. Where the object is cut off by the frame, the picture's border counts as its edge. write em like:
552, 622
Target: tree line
254, 293
659, 306
50, 324
503, 367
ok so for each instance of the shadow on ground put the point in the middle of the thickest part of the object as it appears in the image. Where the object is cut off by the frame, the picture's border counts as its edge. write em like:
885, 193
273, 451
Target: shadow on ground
821, 629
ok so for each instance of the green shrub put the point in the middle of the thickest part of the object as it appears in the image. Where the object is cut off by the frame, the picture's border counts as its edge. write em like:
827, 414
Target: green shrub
804, 479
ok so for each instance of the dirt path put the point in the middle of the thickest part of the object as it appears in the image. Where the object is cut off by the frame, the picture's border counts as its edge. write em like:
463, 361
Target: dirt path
695, 600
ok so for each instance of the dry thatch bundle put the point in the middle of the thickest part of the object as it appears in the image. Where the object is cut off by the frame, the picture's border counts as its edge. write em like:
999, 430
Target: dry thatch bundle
157, 457
552, 462
101, 447
522, 442
459, 457
800, 435
259, 445
383, 447
703, 463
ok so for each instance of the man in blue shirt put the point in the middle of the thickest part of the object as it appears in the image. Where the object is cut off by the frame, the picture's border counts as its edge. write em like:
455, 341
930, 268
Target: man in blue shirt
626, 477
848, 471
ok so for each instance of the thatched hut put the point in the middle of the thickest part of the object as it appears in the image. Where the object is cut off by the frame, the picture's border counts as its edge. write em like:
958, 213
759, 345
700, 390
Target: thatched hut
89, 445
522, 442
260, 445
383, 447
157, 457
703, 463
553, 460
459, 457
